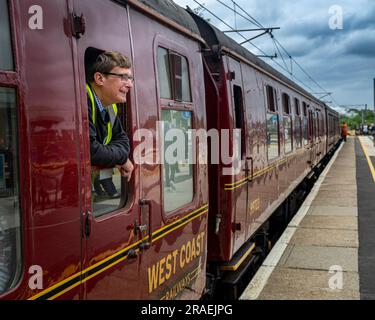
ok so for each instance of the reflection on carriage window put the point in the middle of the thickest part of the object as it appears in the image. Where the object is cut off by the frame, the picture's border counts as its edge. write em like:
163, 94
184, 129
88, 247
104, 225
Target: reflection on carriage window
298, 131
287, 135
10, 253
108, 192
178, 168
272, 136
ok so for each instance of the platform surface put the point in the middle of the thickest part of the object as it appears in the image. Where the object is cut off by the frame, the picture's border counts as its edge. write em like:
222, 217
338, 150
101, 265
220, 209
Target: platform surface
327, 251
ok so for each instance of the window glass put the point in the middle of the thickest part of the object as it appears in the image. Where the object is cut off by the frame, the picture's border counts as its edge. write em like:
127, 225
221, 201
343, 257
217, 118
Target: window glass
286, 103
185, 80
6, 57
304, 108
272, 135
181, 78
109, 191
305, 131
178, 168
298, 131
10, 231
164, 74
287, 134
239, 114
271, 98
296, 107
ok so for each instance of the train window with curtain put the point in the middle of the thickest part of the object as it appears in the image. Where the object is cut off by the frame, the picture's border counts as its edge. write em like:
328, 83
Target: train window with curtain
273, 147
6, 56
178, 180
10, 225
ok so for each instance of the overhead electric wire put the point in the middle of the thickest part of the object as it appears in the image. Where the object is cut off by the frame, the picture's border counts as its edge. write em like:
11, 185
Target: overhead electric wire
221, 20
252, 20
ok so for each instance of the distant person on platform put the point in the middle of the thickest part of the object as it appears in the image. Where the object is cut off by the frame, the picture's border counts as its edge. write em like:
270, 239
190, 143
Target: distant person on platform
109, 81
373, 133
344, 131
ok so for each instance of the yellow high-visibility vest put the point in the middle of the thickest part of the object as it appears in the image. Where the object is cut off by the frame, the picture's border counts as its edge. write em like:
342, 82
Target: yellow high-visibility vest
93, 114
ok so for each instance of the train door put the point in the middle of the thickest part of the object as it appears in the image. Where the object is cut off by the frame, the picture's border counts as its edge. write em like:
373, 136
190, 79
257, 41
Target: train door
240, 194
110, 252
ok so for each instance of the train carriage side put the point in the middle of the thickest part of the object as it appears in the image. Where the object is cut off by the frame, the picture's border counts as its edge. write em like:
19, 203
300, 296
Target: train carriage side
169, 73
58, 240
282, 137
332, 128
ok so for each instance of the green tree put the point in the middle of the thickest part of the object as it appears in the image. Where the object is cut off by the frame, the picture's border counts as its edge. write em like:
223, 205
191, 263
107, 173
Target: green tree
354, 118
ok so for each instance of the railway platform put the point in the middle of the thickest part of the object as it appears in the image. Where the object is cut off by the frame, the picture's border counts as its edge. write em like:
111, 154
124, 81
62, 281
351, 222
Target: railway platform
326, 252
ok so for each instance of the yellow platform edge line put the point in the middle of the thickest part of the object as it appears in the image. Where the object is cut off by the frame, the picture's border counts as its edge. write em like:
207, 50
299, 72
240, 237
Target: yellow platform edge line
368, 160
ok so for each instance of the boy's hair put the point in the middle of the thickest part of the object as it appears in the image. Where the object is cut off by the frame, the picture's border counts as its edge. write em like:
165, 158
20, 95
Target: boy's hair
106, 61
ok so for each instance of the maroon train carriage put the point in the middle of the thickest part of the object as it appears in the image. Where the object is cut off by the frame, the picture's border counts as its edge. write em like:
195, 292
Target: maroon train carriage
284, 136
58, 239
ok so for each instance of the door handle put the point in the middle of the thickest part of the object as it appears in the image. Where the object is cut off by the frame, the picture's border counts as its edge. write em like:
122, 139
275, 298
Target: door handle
147, 244
252, 166
87, 224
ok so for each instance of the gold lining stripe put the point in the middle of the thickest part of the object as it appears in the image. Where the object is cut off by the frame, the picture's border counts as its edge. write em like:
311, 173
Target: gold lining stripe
240, 183
368, 160
82, 273
180, 225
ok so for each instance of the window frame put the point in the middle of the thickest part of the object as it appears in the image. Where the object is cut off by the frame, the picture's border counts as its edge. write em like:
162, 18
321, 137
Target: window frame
270, 89
127, 188
11, 79
172, 68
272, 110
171, 104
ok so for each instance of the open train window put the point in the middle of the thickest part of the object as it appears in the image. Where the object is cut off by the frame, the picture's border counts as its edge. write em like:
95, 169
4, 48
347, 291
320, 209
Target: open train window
6, 56
10, 229
110, 191
286, 103
271, 98
173, 74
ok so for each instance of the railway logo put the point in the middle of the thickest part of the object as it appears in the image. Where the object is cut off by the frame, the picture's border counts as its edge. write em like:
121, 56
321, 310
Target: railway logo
167, 266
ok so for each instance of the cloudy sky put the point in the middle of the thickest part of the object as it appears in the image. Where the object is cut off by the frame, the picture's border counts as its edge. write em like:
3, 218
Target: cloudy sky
339, 57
